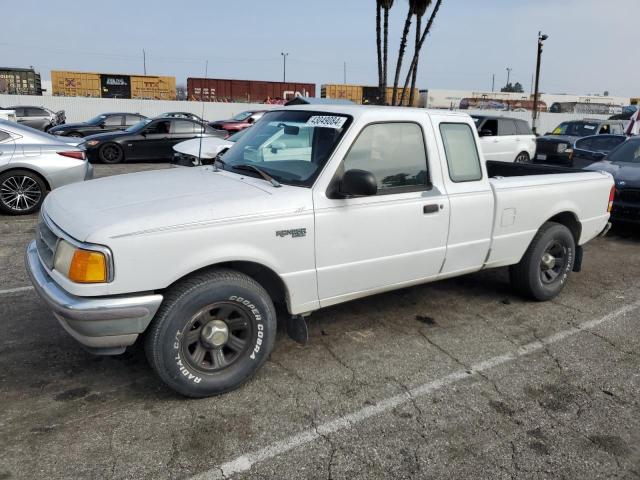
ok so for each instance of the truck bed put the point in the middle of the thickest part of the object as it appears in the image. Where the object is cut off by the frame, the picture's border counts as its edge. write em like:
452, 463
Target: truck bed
508, 169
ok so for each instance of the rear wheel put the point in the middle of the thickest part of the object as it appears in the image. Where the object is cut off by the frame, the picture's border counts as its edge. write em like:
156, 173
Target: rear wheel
523, 157
111, 153
75, 135
21, 192
543, 271
212, 333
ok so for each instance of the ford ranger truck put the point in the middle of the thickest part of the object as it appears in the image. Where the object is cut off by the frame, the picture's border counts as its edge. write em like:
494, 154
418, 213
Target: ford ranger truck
314, 206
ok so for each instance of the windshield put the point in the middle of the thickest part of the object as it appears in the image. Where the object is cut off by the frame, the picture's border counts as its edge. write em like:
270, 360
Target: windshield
576, 129
96, 120
237, 136
291, 146
628, 152
242, 116
138, 126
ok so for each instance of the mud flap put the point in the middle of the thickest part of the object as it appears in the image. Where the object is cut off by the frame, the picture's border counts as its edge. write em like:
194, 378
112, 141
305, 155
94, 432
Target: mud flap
577, 264
297, 329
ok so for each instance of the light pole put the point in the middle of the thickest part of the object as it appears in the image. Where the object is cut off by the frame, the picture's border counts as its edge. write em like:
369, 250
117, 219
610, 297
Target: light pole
284, 66
541, 38
508, 76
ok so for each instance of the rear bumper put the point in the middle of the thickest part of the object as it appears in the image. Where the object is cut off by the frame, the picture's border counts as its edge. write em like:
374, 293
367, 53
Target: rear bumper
103, 325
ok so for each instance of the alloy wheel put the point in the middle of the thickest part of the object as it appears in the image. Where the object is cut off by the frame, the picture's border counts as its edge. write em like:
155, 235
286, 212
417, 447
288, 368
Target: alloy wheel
20, 193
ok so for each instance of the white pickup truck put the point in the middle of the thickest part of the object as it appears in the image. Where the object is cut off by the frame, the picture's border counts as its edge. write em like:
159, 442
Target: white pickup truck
314, 206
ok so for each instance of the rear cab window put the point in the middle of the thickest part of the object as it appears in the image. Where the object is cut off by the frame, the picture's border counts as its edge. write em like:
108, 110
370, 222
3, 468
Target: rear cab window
461, 152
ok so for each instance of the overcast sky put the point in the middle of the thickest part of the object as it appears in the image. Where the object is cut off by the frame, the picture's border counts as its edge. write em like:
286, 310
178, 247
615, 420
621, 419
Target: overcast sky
592, 47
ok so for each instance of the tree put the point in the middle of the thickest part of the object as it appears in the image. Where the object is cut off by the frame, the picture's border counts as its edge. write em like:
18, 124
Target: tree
385, 5
420, 8
403, 47
416, 54
513, 88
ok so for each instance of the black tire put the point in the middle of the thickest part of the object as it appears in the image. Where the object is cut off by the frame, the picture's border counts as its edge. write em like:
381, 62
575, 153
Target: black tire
75, 135
539, 277
111, 153
176, 336
21, 192
523, 157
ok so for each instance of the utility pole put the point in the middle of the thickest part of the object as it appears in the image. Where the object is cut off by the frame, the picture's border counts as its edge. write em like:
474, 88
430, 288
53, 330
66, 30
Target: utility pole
284, 69
541, 39
508, 75
345, 73
144, 61
493, 83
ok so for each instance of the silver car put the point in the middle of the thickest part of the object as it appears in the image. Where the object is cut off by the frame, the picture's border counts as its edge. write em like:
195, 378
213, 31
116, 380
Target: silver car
39, 118
32, 163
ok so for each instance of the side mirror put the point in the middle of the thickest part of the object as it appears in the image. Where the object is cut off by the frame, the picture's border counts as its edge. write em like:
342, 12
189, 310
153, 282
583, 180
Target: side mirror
485, 132
251, 120
358, 183
102, 125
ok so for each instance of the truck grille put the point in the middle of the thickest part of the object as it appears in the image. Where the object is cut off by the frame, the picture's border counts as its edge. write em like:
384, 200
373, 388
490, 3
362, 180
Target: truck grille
46, 242
546, 147
629, 196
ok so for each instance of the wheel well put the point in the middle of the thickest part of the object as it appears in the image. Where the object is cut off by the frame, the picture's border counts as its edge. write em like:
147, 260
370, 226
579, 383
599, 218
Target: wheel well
266, 277
570, 221
37, 174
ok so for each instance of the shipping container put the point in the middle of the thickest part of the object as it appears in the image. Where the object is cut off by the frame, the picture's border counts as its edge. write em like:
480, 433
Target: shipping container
109, 85
75, 84
20, 81
363, 94
250, 91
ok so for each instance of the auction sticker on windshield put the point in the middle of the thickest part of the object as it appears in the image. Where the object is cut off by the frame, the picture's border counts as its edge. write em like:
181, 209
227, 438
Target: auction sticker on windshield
327, 121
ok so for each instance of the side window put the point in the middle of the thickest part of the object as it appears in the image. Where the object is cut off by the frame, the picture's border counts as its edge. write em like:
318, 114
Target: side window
522, 128
4, 136
605, 129
585, 144
20, 112
184, 126
132, 120
36, 112
461, 152
616, 129
113, 121
396, 155
158, 128
506, 127
492, 126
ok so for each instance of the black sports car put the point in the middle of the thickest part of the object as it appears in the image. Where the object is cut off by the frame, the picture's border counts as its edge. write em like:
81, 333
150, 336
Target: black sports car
150, 139
593, 149
624, 164
103, 123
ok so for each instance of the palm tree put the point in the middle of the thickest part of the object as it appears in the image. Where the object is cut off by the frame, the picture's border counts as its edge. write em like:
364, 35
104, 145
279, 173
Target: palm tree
386, 6
419, 9
403, 46
379, 41
423, 37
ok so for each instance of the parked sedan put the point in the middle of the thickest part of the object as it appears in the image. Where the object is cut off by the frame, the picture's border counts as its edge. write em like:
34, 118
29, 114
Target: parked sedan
624, 164
39, 118
150, 139
195, 152
103, 123
33, 163
592, 149
238, 122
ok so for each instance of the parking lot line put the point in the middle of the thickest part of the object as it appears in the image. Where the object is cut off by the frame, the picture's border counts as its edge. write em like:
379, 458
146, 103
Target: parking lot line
15, 290
245, 462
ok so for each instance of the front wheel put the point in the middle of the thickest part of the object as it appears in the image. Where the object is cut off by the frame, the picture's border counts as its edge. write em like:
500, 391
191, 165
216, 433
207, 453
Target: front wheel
523, 157
212, 333
543, 271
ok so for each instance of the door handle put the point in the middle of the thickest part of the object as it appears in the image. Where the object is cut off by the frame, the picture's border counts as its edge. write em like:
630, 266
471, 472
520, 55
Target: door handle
433, 208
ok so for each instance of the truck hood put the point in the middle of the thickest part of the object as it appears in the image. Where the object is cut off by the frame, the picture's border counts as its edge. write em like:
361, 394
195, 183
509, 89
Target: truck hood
557, 139
122, 205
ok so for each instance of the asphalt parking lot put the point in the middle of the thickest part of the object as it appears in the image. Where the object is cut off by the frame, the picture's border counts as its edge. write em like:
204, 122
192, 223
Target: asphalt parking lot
456, 379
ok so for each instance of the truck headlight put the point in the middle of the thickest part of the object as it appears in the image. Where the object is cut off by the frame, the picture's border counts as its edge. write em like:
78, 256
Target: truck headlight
80, 265
562, 147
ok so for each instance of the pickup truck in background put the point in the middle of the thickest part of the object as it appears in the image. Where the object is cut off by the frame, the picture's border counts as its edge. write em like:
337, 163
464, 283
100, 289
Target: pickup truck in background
505, 139
313, 206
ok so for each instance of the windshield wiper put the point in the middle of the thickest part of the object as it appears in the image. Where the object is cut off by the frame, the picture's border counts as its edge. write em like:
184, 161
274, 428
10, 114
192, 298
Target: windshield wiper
262, 173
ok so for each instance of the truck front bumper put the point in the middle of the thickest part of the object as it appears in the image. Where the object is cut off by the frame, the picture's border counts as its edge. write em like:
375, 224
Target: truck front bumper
104, 325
